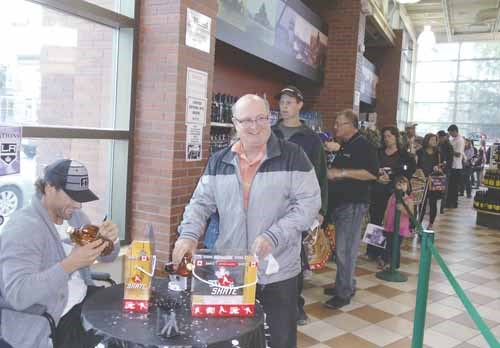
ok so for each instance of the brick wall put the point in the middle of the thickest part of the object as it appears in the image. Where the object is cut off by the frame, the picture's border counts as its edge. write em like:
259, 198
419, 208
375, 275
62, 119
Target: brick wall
162, 180
343, 65
388, 63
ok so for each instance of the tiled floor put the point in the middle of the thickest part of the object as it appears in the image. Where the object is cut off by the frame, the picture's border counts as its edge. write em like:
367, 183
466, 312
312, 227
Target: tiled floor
381, 313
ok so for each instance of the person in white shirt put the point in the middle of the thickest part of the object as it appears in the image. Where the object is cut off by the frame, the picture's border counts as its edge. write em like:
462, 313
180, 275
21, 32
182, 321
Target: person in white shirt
458, 144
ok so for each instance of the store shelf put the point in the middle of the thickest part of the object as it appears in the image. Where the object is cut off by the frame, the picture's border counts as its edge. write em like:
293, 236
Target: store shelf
492, 187
222, 125
486, 212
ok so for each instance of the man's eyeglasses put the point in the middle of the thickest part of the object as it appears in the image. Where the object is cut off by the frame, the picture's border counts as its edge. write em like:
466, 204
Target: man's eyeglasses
260, 120
338, 125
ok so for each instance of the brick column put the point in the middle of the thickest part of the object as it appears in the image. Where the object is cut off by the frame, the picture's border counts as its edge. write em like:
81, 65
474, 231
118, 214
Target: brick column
343, 65
388, 63
162, 180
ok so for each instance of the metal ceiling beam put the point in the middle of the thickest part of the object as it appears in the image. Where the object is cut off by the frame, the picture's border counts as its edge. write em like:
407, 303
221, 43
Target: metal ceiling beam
446, 19
496, 26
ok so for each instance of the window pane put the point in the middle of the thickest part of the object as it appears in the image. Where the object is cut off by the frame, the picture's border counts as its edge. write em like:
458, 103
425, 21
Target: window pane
423, 128
433, 112
480, 70
437, 71
478, 113
435, 92
58, 69
109, 4
447, 51
37, 153
479, 92
484, 49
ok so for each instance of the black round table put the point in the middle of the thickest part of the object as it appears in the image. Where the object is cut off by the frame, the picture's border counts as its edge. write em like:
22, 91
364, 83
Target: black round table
103, 313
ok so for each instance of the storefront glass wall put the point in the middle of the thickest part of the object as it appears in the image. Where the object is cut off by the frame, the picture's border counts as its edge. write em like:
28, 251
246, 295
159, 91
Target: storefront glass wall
459, 83
65, 76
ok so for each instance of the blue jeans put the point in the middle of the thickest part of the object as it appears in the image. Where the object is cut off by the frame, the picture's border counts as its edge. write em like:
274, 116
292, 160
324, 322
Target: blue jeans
347, 219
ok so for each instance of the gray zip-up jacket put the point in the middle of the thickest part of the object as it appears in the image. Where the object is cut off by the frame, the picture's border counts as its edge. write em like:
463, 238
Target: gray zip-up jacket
284, 199
30, 273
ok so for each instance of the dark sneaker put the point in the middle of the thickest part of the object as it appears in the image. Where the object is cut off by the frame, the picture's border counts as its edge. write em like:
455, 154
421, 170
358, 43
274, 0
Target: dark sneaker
332, 292
337, 302
303, 319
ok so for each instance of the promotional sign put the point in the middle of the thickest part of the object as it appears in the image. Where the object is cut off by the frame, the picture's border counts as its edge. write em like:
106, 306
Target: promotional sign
10, 150
223, 285
194, 138
198, 30
285, 33
140, 264
196, 111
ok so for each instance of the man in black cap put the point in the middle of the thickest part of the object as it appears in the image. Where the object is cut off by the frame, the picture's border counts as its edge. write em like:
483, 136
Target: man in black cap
40, 265
291, 128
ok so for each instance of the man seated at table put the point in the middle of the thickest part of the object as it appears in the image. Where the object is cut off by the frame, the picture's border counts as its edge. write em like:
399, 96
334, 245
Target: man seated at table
39, 265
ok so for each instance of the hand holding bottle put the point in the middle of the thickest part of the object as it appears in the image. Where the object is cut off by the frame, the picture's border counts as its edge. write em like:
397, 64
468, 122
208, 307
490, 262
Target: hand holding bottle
182, 247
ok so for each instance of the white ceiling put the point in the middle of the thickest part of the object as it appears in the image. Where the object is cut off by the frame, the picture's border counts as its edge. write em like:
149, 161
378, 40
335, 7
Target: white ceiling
466, 20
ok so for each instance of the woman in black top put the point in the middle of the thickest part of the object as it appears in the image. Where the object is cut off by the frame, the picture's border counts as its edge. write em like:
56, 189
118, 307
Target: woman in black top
428, 160
393, 162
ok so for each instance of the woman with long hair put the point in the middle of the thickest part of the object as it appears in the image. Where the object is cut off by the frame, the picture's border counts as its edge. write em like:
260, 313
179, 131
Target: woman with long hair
428, 159
393, 162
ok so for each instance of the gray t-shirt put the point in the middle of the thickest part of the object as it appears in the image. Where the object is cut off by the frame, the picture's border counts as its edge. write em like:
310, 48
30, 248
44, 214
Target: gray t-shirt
288, 132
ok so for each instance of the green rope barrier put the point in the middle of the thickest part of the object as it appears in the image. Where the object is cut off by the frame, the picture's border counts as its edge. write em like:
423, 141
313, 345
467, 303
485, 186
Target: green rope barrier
481, 325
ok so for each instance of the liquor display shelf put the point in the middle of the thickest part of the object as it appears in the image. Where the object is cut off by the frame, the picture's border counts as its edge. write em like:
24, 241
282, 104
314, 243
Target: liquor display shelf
486, 212
492, 187
222, 125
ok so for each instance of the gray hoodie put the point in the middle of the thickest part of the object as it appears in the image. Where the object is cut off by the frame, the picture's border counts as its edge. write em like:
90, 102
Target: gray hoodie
30, 273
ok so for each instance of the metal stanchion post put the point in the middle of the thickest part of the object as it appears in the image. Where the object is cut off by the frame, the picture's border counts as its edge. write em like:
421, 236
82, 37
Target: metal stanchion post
422, 289
393, 275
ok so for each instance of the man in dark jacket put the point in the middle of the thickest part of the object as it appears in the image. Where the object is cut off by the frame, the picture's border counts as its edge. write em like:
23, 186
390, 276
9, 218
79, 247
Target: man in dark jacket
291, 128
446, 158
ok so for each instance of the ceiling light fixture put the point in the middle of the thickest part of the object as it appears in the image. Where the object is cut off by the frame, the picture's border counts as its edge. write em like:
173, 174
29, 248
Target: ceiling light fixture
426, 39
407, 1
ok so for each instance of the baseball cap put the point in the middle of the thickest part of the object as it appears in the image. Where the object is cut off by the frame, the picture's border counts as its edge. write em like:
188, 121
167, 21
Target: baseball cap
73, 177
410, 124
291, 91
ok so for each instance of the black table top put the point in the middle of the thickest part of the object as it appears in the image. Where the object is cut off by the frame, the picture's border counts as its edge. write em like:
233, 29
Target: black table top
103, 312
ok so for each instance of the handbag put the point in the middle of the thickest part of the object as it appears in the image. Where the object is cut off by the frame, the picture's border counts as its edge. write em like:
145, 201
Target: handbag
437, 181
318, 245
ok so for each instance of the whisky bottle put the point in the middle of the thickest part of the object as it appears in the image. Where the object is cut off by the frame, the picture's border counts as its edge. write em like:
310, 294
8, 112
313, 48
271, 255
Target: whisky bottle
87, 234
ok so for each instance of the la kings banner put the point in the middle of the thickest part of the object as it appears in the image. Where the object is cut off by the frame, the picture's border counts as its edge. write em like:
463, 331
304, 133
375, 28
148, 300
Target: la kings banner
10, 150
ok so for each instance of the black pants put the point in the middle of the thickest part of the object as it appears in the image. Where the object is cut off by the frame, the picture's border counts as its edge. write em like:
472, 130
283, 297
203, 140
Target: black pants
467, 180
279, 301
387, 252
432, 197
380, 197
453, 186
70, 332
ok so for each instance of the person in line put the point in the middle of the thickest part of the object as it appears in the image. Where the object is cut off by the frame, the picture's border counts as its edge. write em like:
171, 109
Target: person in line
354, 169
458, 144
40, 265
446, 153
467, 179
393, 163
291, 128
402, 184
411, 141
429, 161
250, 184
481, 161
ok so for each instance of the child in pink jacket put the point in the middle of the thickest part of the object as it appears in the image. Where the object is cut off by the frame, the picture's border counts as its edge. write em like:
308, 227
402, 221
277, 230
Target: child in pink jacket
401, 183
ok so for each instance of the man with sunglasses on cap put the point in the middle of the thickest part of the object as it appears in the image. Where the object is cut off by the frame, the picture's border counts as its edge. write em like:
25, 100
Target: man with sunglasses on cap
39, 265
291, 128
